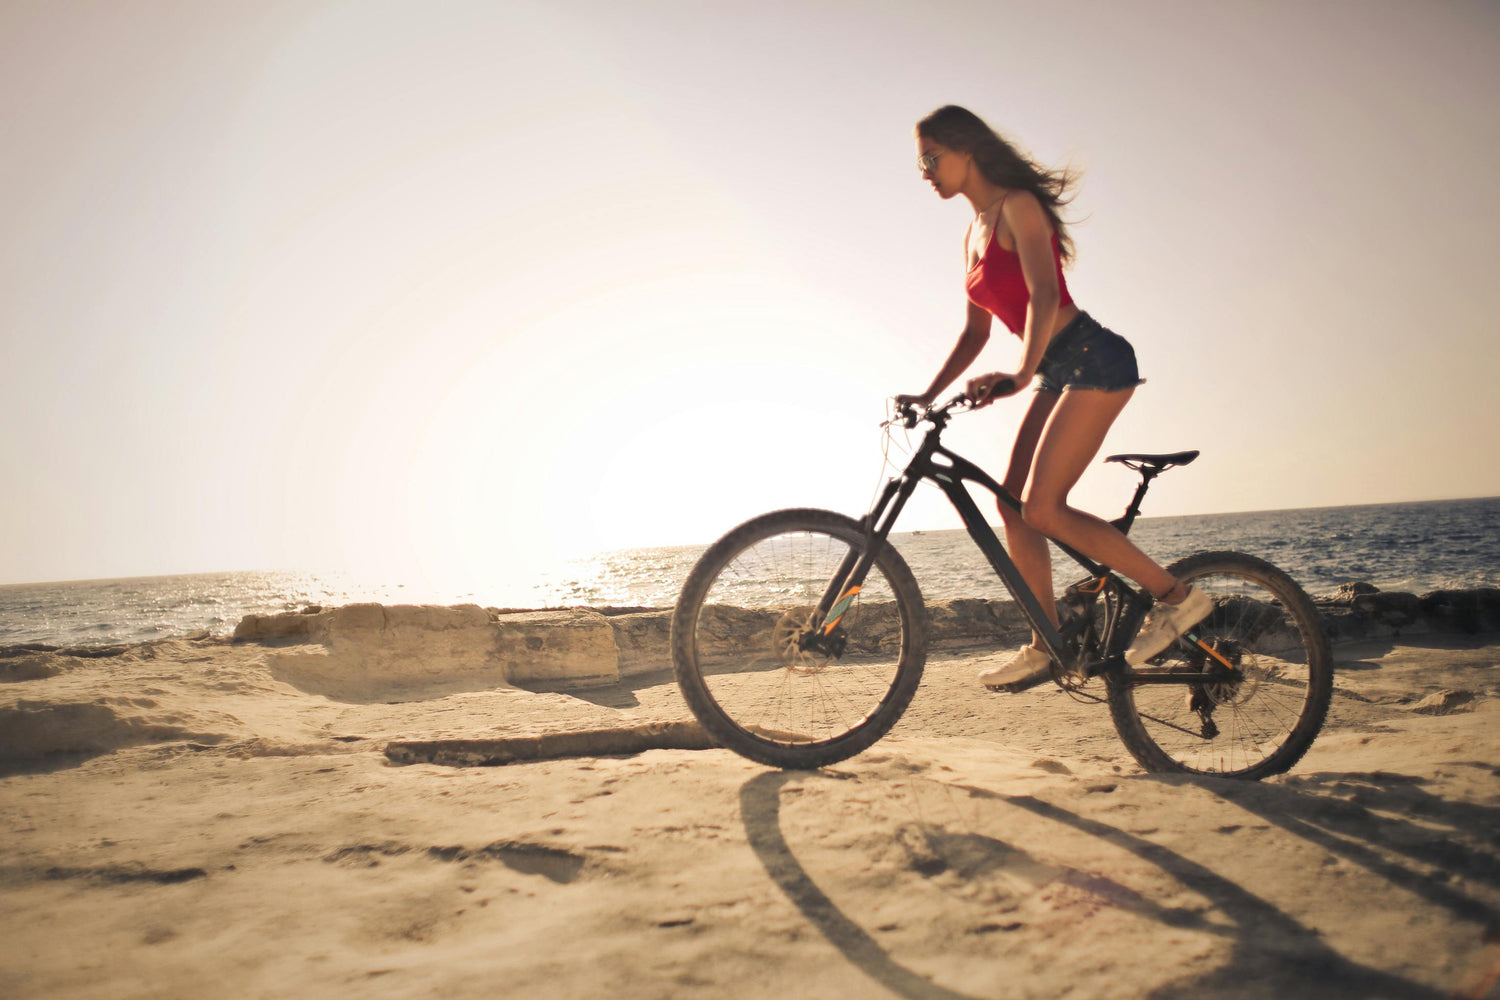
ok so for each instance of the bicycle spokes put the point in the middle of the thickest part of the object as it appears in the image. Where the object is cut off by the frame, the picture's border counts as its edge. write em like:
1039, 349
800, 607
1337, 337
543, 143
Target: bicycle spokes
1245, 691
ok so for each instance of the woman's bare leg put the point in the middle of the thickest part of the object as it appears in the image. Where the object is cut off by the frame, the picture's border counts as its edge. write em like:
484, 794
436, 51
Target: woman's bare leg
1073, 434
1027, 546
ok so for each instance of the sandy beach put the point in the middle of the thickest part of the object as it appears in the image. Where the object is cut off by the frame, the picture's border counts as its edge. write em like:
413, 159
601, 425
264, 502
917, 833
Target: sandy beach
183, 822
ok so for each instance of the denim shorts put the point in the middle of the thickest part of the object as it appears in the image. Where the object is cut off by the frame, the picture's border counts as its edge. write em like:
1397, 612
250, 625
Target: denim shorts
1085, 355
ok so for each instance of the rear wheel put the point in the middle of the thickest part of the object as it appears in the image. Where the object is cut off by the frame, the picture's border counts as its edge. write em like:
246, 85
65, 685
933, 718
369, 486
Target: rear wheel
1264, 635
764, 673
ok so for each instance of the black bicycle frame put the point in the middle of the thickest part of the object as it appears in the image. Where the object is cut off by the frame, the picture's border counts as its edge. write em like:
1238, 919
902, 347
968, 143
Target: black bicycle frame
950, 471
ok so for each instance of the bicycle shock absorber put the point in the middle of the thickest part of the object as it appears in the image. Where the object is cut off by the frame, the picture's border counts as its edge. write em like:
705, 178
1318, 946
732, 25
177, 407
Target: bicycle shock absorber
1080, 593
1078, 599
837, 612
1076, 627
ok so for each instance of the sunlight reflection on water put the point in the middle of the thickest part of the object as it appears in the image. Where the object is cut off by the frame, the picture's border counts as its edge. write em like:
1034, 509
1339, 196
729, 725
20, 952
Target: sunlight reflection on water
1414, 547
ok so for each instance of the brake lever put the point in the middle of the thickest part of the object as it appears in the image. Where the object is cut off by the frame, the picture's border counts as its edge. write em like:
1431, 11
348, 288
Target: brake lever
903, 414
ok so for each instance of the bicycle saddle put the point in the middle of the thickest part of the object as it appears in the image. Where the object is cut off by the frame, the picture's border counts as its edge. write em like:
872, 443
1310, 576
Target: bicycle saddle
1156, 463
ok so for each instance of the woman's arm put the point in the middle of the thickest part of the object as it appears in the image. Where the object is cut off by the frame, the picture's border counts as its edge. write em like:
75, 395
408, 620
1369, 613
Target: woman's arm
975, 335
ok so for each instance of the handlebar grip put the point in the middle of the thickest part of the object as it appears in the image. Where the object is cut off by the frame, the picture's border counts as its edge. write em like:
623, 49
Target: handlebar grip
1004, 387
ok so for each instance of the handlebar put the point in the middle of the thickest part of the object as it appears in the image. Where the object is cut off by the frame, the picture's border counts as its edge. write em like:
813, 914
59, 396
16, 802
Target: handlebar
909, 414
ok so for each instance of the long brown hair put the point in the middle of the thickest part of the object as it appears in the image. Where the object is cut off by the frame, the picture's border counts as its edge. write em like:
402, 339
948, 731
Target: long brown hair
1002, 164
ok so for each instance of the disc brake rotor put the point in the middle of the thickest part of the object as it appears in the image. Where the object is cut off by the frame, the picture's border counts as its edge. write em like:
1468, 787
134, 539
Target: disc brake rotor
1232, 692
786, 640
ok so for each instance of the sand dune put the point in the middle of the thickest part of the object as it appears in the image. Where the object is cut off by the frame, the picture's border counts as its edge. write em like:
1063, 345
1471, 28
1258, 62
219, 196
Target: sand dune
185, 821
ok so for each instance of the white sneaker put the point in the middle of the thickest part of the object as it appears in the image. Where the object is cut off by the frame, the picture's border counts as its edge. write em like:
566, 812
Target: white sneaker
1165, 623
1026, 669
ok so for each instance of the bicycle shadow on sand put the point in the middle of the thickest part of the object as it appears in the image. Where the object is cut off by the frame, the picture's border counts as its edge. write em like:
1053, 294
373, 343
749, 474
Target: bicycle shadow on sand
1389, 824
1273, 954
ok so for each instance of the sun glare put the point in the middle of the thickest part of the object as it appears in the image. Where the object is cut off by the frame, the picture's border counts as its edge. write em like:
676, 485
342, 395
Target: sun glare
709, 399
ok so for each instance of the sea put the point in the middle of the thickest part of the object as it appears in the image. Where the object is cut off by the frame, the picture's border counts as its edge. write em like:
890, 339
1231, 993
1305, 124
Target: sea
1414, 547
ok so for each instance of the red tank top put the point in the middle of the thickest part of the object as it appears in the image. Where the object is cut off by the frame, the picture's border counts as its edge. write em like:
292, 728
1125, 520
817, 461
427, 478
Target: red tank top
996, 284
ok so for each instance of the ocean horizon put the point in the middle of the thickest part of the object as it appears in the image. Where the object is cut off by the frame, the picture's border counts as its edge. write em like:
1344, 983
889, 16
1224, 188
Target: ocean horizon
1416, 546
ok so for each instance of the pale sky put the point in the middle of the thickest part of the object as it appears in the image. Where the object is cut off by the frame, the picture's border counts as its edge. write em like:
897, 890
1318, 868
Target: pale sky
455, 289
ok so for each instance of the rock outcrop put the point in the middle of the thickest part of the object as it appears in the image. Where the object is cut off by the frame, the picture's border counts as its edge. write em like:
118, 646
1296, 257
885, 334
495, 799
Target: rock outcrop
373, 652
575, 647
629, 739
1360, 610
642, 640
369, 652
43, 726
1445, 702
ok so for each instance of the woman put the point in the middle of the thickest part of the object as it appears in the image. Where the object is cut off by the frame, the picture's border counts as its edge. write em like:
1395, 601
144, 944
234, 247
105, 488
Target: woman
1015, 248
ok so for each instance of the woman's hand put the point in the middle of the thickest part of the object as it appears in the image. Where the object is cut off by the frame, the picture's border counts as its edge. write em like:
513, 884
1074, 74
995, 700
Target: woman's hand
924, 400
983, 390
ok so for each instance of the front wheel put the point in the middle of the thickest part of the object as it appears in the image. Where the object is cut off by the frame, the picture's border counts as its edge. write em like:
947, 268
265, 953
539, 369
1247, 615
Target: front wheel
766, 675
1264, 635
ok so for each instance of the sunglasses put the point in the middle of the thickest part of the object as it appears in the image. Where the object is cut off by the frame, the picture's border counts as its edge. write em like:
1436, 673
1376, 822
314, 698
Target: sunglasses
928, 163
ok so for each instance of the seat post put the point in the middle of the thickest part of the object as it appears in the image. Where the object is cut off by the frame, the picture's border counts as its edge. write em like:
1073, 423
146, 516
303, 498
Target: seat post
1124, 522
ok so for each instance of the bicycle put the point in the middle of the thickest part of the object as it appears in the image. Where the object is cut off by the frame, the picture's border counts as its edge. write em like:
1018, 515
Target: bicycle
800, 636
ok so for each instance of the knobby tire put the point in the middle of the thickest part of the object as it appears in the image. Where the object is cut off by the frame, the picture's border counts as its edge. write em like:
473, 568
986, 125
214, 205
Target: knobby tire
1268, 627
737, 662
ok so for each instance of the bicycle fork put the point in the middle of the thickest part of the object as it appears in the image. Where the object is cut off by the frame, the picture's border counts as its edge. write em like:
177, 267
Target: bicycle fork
848, 580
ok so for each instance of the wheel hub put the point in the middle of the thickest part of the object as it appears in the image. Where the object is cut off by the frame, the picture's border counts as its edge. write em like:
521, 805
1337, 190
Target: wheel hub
796, 642
1231, 691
